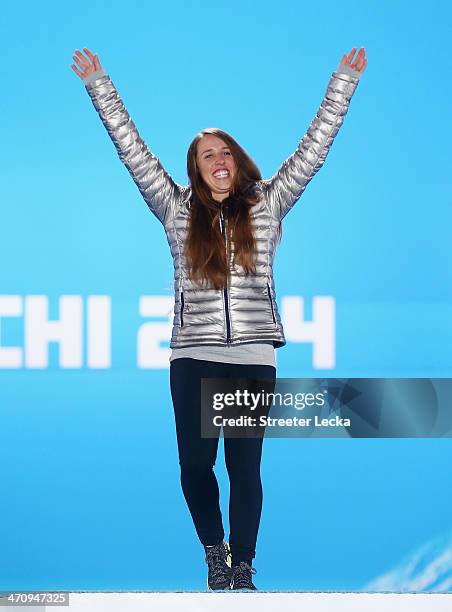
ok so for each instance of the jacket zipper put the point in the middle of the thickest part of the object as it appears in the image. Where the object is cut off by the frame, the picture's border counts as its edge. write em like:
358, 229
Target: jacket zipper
225, 291
182, 309
271, 303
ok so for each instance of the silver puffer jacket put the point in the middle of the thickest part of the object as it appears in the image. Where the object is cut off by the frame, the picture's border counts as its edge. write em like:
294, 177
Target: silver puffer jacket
245, 310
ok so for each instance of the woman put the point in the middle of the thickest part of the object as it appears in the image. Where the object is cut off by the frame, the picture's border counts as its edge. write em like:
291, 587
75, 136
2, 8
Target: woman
222, 230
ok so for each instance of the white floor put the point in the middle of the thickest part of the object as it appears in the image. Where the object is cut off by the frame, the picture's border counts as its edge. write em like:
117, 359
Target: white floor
261, 601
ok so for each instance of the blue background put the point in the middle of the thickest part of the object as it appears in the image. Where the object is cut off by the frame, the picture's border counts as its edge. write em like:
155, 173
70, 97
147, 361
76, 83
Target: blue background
88, 458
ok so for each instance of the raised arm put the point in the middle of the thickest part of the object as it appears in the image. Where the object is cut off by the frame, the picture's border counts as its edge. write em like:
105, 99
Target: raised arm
287, 185
160, 192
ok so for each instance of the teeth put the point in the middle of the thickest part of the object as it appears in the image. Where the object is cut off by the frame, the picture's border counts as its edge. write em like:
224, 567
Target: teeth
221, 174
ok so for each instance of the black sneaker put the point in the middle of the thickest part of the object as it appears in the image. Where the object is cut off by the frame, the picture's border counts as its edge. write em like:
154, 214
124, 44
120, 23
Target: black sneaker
218, 562
241, 579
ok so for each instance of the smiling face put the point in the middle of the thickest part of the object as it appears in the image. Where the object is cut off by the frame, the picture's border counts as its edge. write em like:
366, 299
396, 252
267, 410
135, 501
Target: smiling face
216, 165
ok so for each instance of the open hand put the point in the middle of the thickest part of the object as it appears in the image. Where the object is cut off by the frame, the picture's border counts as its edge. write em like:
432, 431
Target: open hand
87, 66
360, 62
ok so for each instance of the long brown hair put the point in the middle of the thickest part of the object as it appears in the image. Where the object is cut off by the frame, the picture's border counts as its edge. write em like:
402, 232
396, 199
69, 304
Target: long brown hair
205, 247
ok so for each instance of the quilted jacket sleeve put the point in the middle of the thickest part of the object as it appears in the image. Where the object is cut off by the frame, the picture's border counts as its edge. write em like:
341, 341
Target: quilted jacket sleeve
158, 189
286, 186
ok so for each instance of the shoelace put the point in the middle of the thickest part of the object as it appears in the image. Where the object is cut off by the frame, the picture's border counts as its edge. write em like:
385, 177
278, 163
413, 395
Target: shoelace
216, 560
242, 575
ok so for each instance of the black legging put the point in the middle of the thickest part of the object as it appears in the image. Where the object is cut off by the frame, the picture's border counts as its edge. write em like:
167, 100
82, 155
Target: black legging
197, 457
